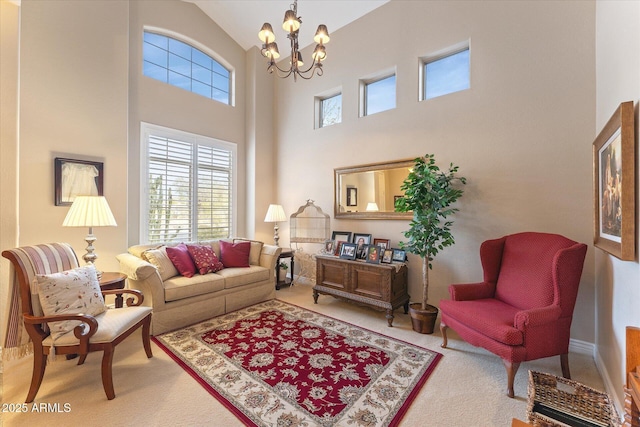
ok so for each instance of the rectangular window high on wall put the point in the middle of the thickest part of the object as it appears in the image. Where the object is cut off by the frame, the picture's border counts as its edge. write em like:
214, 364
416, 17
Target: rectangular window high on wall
188, 186
446, 72
329, 110
377, 95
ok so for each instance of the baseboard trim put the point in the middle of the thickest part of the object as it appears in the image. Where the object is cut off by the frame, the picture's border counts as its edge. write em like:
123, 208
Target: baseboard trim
582, 347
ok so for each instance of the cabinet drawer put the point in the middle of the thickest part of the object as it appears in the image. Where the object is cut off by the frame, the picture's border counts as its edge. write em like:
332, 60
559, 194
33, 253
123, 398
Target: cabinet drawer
332, 274
370, 282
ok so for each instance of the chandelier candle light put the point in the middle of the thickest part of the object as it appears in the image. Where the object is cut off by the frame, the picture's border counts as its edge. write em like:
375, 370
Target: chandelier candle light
291, 24
275, 214
90, 211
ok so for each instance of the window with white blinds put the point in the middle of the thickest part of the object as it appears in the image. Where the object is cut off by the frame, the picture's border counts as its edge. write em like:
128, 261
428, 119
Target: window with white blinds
188, 186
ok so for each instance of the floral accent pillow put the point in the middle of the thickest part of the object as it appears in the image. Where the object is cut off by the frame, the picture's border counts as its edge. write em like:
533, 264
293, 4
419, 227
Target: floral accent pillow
205, 259
74, 291
179, 256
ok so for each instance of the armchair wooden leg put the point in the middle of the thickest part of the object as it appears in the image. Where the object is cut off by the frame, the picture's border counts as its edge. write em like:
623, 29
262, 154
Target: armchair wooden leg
443, 331
81, 359
146, 338
512, 368
564, 363
39, 366
107, 377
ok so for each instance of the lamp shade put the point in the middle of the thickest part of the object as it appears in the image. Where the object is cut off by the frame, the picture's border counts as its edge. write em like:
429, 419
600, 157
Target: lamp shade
372, 207
89, 211
275, 213
266, 33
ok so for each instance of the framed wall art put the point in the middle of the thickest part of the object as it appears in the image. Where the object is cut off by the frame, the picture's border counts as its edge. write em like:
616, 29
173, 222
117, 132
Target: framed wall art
76, 178
352, 196
614, 185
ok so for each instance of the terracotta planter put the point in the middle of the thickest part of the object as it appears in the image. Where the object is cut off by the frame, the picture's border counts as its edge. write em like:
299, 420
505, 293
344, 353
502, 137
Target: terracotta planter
423, 321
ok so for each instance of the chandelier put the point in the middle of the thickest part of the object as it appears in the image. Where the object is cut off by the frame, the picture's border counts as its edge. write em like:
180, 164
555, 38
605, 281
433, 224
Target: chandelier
292, 24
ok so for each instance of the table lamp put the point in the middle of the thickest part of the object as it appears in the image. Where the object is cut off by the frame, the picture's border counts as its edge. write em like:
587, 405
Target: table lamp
90, 211
372, 207
275, 213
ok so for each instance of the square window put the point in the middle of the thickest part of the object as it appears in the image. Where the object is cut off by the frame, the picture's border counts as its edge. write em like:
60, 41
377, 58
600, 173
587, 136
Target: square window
446, 74
380, 95
330, 110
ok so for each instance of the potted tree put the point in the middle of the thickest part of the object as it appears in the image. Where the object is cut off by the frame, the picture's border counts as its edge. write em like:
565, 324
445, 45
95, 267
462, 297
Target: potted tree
429, 194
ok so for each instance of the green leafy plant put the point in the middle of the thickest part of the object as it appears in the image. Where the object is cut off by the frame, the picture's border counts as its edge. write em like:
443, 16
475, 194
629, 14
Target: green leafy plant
429, 193
284, 266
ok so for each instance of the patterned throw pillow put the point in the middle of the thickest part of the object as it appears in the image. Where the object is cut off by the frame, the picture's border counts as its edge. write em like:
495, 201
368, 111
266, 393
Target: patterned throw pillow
159, 258
179, 256
205, 259
235, 254
69, 292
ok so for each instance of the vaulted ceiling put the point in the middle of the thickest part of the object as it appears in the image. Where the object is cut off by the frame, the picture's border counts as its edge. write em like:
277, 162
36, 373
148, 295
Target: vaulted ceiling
242, 19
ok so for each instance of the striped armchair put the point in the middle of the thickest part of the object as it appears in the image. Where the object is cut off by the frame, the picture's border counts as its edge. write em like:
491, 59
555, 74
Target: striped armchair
94, 333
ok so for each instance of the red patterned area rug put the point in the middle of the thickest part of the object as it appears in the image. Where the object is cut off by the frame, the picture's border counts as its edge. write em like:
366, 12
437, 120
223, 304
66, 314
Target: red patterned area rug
276, 364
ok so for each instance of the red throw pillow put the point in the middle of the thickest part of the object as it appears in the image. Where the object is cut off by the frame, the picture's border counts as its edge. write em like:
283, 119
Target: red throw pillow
235, 254
205, 259
179, 256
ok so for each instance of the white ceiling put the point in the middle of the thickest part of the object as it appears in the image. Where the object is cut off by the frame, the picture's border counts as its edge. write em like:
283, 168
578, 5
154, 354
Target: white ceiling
242, 19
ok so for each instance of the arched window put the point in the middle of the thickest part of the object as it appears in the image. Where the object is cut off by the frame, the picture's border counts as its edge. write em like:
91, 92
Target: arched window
180, 64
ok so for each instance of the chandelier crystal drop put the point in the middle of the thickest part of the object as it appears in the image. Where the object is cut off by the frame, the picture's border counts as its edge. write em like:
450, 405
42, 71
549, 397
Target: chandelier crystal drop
291, 24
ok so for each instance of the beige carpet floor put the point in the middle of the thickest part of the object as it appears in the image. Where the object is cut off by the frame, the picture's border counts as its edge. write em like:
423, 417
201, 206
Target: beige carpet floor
467, 387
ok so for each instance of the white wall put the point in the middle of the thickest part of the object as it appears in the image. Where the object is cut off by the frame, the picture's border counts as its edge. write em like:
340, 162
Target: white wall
155, 102
617, 282
73, 98
521, 135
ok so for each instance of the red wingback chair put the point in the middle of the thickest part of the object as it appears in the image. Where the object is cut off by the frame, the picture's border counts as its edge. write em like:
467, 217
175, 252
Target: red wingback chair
523, 309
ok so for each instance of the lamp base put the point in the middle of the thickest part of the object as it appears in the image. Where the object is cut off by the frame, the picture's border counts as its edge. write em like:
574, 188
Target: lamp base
275, 234
90, 257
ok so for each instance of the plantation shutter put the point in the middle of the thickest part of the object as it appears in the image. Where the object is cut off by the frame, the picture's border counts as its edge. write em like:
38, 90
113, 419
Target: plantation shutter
190, 189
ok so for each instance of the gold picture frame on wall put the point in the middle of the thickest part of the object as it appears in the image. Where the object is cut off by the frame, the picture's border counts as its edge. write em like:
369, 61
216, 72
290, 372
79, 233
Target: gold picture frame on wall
614, 185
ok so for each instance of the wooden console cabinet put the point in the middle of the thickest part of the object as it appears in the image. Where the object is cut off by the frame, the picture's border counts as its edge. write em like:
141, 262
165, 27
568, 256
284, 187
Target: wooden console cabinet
381, 286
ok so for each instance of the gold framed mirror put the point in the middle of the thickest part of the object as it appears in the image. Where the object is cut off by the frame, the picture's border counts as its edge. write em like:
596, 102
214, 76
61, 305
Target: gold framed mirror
369, 191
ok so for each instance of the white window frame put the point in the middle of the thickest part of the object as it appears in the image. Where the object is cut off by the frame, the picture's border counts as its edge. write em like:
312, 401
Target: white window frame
194, 43
147, 130
318, 102
441, 54
365, 82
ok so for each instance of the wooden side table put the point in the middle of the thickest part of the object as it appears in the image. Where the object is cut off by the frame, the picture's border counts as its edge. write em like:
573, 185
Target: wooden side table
111, 280
286, 253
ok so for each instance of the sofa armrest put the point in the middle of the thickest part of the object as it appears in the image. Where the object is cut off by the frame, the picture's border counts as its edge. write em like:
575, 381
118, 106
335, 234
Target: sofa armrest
144, 277
537, 316
135, 268
269, 256
472, 291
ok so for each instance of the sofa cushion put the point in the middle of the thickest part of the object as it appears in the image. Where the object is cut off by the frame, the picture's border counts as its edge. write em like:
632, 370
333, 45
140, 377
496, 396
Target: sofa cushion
490, 317
205, 259
235, 254
138, 250
179, 256
160, 260
254, 253
235, 277
74, 291
180, 287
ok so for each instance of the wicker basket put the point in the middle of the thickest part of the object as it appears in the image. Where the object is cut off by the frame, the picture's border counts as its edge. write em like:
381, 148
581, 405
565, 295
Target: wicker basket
556, 401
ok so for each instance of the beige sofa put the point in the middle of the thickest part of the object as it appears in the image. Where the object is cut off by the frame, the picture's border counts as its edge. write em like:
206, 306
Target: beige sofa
179, 301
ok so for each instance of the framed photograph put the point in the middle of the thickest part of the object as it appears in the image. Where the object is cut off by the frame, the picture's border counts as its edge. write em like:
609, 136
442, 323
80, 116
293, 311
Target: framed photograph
337, 247
383, 243
614, 185
399, 255
352, 196
348, 251
361, 241
329, 247
387, 256
76, 178
373, 254
341, 236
